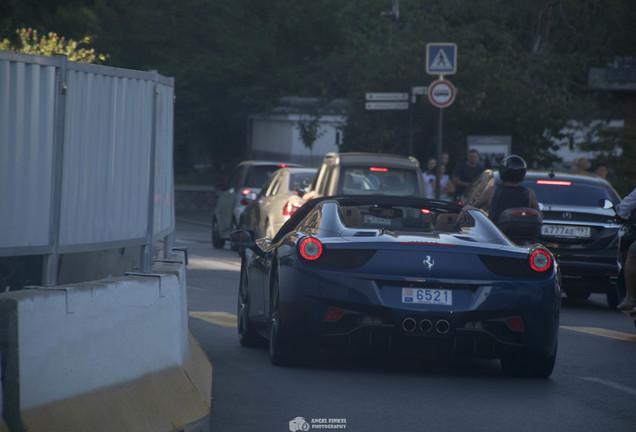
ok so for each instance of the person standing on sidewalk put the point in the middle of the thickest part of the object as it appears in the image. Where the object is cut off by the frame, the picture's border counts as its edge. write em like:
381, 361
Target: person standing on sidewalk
466, 173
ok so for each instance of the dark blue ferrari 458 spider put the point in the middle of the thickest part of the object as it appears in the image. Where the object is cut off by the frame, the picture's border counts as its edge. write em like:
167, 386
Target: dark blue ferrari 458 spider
403, 275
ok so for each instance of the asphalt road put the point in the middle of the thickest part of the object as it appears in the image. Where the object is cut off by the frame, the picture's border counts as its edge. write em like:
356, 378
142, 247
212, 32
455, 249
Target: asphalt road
593, 387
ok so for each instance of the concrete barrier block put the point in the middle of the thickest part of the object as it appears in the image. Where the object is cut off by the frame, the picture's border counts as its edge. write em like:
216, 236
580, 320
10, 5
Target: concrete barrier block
112, 355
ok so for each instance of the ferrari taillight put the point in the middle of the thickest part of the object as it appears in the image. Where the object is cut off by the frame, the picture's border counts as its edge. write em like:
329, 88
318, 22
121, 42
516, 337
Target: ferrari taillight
310, 249
540, 260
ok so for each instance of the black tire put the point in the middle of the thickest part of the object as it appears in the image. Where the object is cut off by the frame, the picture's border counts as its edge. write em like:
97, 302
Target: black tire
528, 364
280, 351
217, 241
612, 300
247, 334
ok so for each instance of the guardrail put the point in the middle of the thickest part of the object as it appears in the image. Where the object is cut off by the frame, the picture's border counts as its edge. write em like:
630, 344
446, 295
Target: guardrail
85, 159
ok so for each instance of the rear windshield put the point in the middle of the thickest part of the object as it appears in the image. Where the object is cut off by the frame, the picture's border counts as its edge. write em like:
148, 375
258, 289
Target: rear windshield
357, 180
568, 193
259, 174
300, 180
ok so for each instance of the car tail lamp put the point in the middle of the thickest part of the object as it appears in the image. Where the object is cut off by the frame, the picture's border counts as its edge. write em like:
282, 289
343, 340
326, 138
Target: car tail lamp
514, 323
334, 314
310, 249
245, 191
540, 260
378, 169
291, 205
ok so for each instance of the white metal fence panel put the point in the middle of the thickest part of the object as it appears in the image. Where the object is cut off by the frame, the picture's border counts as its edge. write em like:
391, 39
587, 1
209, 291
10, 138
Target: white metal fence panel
26, 117
77, 142
107, 141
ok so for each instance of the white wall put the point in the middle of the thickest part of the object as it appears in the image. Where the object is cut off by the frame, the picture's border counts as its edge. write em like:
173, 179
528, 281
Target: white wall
278, 137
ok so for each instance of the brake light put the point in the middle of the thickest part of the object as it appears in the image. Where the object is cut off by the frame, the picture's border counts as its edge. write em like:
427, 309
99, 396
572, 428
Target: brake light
525, 212
514, 323
291, 205
282, 165
425, 211
245, 191
555, 182
310, 249
334, 314
540, 260
378, 169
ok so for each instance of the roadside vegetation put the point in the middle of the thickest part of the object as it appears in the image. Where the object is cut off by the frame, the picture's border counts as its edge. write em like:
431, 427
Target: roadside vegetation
522, 65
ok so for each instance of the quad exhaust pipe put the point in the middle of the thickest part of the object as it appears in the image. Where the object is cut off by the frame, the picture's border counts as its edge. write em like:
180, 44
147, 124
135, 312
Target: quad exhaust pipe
425, 325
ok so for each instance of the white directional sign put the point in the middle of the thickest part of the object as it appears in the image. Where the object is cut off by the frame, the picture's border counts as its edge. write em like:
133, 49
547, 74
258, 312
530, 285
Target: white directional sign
386, 105
441, 58
387, 96
441, 93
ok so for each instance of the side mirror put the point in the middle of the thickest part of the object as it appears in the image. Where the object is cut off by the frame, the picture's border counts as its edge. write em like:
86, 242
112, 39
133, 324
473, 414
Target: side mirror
243, 238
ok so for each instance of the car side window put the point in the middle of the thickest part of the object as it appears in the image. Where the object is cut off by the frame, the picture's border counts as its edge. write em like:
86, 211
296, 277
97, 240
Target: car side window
233, 183
275, 186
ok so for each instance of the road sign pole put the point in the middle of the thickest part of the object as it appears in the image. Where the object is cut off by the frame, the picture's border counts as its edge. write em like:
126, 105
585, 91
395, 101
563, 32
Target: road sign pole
411, 113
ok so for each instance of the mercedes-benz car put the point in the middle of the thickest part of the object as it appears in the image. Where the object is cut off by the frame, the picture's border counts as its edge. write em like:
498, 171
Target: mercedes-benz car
403, 275
580, 233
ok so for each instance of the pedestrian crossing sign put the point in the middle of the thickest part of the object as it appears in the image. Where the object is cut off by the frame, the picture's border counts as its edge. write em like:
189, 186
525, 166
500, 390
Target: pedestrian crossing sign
441, 58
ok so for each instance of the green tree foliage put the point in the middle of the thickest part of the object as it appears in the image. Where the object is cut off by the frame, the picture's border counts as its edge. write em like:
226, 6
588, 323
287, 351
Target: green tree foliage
522, 64
52, 44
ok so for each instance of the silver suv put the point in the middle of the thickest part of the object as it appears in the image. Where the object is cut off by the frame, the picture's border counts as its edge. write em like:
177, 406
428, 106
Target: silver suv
368, 174
248, 177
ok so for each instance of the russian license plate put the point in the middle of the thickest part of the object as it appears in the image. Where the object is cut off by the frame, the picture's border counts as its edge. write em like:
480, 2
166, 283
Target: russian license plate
427, 296
568, 231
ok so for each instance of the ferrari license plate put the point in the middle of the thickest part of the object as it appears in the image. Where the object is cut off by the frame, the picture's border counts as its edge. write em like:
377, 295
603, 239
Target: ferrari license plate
427, 296
569, 231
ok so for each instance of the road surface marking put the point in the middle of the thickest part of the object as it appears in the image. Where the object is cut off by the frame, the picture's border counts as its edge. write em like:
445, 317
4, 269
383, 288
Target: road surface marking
614, 385
223, 319
603, 332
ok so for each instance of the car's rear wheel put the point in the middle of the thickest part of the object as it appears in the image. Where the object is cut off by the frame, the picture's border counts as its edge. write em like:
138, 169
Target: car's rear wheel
528, 364
612, 300
280, 351
248, 336
217, 241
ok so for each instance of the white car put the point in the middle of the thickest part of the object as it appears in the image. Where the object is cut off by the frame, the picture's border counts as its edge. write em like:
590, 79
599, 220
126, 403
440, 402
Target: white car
247, 178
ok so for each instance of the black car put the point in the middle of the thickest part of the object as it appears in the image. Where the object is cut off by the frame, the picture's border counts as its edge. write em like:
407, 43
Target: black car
581, 235
408, 275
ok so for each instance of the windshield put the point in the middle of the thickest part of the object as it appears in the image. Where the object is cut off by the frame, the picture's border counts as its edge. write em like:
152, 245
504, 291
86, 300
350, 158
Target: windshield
300, 180
568, 193
259, 175
471, 225
356, 180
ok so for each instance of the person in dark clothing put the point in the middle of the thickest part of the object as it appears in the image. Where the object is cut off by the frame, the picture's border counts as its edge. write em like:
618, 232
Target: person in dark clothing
466, 172
508, 194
